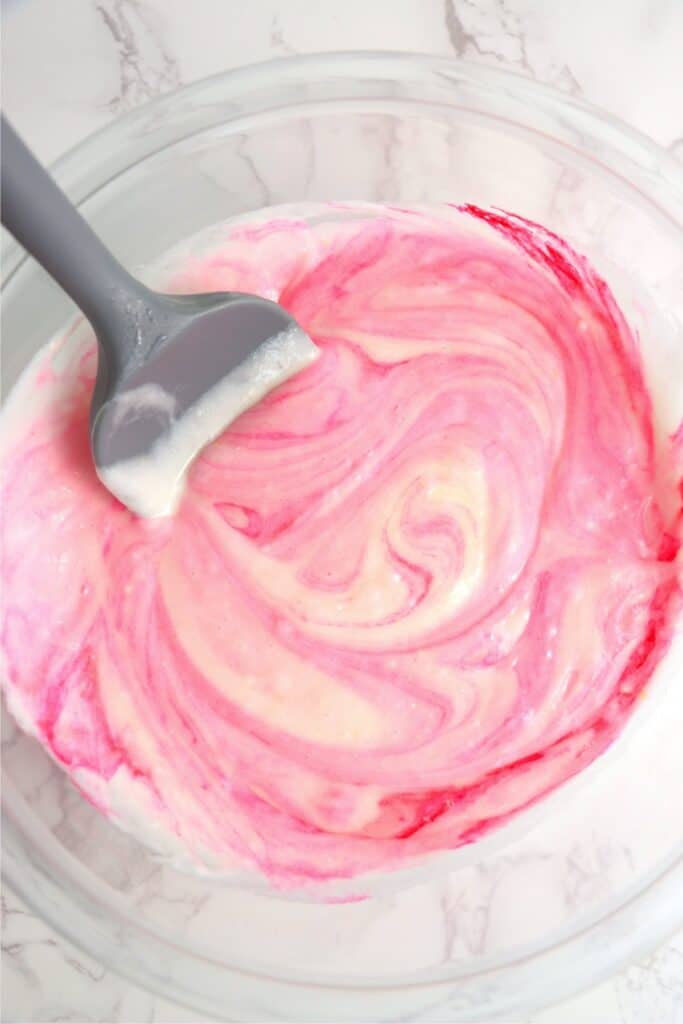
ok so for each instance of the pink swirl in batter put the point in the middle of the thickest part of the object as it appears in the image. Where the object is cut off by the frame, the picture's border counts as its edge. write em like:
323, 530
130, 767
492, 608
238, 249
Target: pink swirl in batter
416, 588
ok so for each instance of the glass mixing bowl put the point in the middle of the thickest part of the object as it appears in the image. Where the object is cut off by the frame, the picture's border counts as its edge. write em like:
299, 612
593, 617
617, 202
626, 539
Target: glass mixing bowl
593, 875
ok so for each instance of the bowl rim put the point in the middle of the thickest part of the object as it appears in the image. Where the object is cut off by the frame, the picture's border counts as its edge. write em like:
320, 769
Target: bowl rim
634, 142
632, 145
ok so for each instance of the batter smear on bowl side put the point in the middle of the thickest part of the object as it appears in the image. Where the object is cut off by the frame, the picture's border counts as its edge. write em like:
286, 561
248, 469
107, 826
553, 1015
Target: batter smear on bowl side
416, 588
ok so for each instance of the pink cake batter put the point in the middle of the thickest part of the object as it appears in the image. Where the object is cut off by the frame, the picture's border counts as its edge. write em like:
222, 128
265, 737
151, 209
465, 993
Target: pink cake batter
419, 586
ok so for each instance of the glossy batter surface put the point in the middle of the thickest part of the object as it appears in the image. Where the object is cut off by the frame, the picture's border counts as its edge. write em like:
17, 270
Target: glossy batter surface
416, 588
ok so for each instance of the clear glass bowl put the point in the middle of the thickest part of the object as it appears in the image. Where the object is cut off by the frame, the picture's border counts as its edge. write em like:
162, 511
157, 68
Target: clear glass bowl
592, 876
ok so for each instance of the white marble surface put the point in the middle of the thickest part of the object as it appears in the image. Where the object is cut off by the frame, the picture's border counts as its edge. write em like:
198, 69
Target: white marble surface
69, 67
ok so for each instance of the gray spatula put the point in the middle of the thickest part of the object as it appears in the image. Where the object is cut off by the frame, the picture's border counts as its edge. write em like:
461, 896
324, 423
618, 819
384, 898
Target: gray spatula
173, 370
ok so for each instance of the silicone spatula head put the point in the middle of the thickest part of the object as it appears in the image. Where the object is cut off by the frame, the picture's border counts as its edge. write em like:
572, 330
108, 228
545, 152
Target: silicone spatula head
204, 360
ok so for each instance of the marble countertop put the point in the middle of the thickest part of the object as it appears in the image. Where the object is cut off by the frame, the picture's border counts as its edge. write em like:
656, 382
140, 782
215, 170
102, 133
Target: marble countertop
71, 67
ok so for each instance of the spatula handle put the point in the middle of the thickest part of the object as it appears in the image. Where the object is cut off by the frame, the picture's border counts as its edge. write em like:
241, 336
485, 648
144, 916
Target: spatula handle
50, 228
